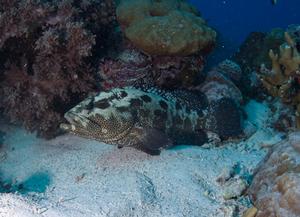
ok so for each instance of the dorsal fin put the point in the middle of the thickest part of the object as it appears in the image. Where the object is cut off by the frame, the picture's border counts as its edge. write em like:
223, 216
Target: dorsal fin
193, 99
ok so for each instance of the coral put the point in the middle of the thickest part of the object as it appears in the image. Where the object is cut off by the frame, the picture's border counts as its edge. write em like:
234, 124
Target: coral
294, 31
133, 67
251, 54
255, 51
167, 27
283, 80
275, 189
45, 53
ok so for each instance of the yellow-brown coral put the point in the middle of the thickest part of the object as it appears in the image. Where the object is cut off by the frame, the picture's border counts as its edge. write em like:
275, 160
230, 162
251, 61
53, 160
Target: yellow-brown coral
165, 27
284, 79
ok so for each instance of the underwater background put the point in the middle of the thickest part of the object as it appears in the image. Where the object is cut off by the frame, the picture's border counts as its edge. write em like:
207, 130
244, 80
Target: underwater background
234, 20
149, 108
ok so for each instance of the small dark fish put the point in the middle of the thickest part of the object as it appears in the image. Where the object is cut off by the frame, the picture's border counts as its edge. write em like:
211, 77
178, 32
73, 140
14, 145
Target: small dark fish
274, 2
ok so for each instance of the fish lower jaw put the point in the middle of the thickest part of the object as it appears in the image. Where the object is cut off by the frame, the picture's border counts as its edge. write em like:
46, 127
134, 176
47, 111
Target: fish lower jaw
67, 127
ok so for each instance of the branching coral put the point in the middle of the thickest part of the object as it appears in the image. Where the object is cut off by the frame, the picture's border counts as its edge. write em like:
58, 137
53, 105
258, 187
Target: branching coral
165, 27
45, 53
283, 80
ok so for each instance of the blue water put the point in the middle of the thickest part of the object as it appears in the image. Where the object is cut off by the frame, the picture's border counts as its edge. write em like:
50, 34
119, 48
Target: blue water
235, 19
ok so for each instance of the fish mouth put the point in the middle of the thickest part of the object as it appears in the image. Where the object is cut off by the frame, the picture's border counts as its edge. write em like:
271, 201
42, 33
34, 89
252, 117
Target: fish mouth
74, 122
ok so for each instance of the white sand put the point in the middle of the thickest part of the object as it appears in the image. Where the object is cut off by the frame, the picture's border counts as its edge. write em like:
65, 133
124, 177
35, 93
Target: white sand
79, 177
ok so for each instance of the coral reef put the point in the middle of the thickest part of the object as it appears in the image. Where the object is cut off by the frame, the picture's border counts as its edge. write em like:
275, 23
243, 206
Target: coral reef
275, 189
283, 80
294, 31
251, 54
45, 53
255, 51
132, 67
167, 27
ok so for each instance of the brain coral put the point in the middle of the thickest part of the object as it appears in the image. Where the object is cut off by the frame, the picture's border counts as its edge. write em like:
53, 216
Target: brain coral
165, 27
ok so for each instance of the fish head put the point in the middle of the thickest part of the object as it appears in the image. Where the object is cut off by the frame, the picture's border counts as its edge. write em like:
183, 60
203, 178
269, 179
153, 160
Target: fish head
99, 117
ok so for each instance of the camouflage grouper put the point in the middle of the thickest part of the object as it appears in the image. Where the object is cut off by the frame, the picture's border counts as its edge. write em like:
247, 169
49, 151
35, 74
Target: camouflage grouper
150, 119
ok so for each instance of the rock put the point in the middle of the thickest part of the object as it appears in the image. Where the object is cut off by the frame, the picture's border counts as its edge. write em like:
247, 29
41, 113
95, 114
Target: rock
231, 70
133, 67
217, 86
167, 27
275, 189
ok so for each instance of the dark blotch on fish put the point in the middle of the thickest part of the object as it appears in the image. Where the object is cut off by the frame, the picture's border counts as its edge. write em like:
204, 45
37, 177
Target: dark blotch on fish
163, 104
144, 113
102, 104
136, 102
122, 109
178, 106
177, 121
232, 118
160, 119
187, 124
124, 94
146, 98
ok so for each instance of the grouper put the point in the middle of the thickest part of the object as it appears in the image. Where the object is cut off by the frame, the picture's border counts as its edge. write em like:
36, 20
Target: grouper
151, 119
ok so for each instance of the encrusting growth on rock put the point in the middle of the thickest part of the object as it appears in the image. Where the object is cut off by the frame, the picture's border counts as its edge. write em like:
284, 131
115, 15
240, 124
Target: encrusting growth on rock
167, 27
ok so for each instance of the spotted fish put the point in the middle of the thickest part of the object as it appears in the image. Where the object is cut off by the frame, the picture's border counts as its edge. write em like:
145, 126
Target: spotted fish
150, 119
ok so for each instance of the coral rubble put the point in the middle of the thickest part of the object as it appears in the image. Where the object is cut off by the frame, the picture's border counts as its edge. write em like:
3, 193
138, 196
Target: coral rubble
45, 53
167, 27
276, 186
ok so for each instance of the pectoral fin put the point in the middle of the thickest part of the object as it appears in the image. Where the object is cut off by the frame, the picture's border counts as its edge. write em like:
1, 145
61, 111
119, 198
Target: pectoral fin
148, 140
153, 141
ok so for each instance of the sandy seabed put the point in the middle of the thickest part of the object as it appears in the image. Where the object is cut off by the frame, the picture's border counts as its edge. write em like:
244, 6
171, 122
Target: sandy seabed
74, 177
